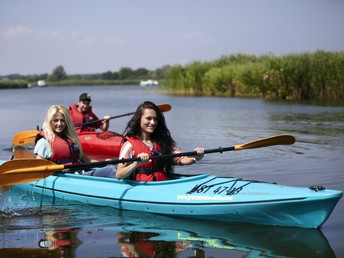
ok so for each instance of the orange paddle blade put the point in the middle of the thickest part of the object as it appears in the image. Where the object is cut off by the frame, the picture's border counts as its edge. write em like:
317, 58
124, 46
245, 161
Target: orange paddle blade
164, 107
283, 139
24, 137
26, 170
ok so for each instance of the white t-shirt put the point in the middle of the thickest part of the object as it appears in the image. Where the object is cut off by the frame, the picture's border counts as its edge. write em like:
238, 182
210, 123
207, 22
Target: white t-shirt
43, 149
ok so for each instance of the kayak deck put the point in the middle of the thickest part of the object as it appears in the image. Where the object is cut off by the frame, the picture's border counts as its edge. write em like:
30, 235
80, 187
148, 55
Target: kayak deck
101, 145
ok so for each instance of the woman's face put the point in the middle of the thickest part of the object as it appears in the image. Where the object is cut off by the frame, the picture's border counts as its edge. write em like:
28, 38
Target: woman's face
149, 121
58, 123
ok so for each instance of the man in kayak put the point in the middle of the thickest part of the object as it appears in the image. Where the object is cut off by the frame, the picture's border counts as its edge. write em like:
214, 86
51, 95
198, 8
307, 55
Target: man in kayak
59, 142
82, 113
147, 135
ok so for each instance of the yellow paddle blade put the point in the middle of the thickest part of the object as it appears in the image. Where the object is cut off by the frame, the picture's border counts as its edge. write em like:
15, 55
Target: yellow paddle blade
20, 152
24, 137
26, 170
282, 139
164, 107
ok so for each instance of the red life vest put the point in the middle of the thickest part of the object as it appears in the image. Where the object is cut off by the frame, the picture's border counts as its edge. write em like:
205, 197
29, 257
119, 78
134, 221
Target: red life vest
142, 248
150, 171
80, 118
65, 151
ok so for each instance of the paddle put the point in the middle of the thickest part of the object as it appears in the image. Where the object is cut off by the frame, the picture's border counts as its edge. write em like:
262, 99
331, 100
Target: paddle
27, 170
162, 107
26, 137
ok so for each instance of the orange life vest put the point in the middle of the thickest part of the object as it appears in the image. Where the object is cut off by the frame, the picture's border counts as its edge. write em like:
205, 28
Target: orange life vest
65, 151
80, 118
151, 171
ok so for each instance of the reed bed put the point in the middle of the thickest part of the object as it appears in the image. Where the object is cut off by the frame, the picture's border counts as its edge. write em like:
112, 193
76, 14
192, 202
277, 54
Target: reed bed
307, 76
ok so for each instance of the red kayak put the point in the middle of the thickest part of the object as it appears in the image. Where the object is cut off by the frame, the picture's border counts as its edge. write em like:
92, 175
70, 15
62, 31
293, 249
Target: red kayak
101, 145
97, 145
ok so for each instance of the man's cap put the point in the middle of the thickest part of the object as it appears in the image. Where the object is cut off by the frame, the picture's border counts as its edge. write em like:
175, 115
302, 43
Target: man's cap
85, 96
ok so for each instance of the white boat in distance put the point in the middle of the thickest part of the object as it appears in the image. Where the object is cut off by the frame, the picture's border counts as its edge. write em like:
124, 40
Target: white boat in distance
144, 83
41, 83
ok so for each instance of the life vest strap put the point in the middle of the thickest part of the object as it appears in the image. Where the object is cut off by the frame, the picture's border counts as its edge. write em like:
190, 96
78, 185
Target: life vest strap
149, 170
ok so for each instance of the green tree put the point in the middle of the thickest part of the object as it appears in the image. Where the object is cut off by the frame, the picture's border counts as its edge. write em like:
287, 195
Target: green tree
58, 74
115, 76
125, 73
107, 75
141, 73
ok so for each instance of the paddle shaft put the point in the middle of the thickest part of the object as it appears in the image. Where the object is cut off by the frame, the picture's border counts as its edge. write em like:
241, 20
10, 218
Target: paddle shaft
270, 141
100, 120
166, 156
27, 170
162, 107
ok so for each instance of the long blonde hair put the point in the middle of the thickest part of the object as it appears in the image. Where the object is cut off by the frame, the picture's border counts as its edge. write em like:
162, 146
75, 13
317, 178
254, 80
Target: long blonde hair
69, 130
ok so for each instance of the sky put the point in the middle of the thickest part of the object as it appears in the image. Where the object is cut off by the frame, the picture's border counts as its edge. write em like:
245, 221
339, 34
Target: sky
96, 36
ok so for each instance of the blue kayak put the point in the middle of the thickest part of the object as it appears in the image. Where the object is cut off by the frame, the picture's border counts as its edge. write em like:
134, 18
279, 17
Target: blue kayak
203, 196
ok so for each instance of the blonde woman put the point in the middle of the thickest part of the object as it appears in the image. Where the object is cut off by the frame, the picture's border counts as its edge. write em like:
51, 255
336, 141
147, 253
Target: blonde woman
59, 143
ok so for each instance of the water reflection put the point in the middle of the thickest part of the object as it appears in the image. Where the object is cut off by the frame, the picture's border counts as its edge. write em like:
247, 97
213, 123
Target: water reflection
138, 244
68, 229
62, 241
317, 128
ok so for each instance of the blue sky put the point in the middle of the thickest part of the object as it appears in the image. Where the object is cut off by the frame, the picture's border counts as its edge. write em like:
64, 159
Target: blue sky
87, 36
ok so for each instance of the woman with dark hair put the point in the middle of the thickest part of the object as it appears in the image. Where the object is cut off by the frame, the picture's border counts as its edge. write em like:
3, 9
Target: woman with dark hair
147, 135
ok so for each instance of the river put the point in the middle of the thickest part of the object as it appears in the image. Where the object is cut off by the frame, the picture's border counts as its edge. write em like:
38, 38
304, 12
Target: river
38, 228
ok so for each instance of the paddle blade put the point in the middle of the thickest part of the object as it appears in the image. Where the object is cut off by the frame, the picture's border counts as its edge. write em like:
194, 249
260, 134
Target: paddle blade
26, 170
283, 139
164, 107
24, 137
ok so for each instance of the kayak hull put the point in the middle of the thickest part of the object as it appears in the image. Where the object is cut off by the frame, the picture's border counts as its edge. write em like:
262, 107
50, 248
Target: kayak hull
201, 197
101, 145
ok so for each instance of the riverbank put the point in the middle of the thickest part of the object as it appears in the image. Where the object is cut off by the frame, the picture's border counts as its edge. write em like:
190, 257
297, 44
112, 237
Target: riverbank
13, 84
20, 84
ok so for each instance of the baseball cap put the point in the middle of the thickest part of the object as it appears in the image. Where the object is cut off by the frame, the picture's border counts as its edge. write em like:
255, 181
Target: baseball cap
85, 96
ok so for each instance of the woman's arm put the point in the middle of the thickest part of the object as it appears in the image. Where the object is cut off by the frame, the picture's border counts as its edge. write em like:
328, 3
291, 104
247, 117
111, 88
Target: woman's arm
194, 159
42, 149
125, 169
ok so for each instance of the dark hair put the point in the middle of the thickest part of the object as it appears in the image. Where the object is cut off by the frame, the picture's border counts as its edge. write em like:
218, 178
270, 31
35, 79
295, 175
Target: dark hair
161, 134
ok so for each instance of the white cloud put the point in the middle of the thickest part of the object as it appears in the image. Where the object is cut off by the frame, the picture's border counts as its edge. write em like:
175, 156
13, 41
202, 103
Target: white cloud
50, 35
88, 41
18, 32
72, 38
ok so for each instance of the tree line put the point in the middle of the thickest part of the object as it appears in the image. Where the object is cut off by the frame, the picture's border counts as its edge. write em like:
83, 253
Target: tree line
305, 76
59, 76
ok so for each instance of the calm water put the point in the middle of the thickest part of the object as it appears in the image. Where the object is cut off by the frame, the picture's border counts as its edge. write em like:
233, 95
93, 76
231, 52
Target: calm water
75, 230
